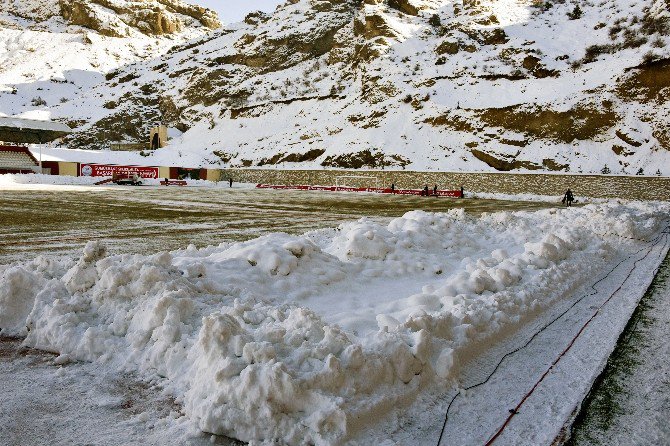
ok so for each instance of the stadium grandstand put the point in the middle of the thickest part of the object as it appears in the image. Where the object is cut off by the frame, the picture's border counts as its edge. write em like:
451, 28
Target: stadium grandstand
19, 159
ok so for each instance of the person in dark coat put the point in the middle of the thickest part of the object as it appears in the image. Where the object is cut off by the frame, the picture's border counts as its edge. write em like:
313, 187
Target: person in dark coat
425, 191
568, 198
392, 188
435, 190
230, 182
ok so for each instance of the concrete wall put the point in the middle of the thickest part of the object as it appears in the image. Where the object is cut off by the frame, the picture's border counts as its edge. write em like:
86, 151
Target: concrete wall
213, 175
68, 169
162, 132
629, 187
163, 172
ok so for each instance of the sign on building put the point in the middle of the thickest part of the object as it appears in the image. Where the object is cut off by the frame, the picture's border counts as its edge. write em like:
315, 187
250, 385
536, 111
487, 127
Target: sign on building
108, 170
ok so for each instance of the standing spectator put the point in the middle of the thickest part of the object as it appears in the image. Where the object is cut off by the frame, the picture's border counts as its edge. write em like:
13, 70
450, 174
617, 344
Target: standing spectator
568, 198
230, 182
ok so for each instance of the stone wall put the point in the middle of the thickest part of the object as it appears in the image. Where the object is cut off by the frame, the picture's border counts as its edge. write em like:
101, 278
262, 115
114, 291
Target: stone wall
597, 186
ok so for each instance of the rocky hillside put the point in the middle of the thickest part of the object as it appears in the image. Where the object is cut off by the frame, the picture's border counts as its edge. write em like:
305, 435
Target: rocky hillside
113, 18
467, 85
52, 51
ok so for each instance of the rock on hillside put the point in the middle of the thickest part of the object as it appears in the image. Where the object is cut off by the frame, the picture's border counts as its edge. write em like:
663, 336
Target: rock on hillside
424, 84
119, 18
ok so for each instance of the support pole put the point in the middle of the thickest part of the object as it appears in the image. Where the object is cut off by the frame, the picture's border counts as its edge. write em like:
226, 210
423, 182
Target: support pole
40, 139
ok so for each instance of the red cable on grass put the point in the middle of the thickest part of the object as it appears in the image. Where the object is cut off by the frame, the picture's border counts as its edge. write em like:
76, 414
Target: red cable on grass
514, 411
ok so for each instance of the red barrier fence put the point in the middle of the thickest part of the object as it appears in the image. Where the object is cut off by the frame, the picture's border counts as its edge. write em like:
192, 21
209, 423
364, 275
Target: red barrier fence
174, 183
439, 193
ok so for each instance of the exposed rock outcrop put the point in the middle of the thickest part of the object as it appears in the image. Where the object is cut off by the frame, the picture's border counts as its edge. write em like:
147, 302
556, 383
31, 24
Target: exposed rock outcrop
152, 17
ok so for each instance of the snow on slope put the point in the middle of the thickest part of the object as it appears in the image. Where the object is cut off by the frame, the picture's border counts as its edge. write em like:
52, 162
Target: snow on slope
48, 60
306, 340
430, 84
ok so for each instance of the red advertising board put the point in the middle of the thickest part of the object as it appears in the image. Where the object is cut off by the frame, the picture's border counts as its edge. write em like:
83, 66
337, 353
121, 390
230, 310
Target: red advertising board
108, 170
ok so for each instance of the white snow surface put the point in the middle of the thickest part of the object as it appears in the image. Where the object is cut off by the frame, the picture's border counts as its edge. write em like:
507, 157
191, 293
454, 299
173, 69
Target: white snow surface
168, 156
307, 339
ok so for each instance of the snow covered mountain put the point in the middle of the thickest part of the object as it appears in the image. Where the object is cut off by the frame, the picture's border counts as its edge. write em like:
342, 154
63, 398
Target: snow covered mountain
53, 51
421, 84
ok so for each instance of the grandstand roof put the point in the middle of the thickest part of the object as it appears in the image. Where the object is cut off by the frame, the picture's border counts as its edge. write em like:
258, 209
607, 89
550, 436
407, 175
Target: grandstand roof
30, 131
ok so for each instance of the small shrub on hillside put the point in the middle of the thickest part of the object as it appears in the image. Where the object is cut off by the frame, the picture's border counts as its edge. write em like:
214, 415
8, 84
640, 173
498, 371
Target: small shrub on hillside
640, 171
38, 101
615, 30
655, 23
543, 6
435, 21
593, 51
576, 13
658, 43
605, 170
649, 57
634, 41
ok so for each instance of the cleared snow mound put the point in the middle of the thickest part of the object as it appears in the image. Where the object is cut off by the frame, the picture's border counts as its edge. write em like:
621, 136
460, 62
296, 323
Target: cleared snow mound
231, 330
11, 179
17, 179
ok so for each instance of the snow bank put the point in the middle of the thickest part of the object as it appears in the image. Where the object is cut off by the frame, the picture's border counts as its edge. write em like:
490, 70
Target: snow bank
302, 340
14, 179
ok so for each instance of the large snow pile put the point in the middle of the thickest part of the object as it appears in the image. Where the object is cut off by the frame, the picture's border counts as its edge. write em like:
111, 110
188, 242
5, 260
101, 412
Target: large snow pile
306, 339
12, 179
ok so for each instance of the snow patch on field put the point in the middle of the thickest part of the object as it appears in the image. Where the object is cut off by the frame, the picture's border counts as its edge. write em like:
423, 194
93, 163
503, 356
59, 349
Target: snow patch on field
56, 180
296, 338
13, 179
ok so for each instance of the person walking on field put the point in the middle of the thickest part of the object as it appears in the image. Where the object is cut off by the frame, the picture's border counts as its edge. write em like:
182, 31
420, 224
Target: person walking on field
230, 182
568, 198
